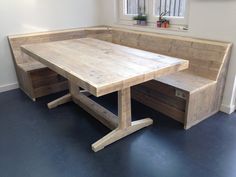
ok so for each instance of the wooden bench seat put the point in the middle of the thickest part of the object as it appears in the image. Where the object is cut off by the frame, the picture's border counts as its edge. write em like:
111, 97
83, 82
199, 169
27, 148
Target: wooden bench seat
186, 80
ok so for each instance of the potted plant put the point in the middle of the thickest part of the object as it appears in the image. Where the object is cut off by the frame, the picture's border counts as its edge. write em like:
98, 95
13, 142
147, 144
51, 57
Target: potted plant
141, 19
163, 23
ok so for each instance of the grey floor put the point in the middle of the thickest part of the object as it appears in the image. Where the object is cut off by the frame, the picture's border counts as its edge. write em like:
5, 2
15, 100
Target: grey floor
37, 142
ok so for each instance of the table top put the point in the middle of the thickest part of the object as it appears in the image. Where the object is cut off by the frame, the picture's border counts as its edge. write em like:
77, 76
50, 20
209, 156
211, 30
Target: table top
102, 67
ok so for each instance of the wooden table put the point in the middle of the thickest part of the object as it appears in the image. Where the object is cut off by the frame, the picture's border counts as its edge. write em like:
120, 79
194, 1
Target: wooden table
101, 68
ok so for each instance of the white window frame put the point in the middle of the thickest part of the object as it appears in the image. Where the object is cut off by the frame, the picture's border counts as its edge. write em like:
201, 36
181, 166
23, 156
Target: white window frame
150, 11
122, 9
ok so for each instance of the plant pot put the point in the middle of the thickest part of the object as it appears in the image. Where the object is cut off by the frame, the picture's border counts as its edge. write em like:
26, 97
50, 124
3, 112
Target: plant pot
141, 22
163, 24
159, 24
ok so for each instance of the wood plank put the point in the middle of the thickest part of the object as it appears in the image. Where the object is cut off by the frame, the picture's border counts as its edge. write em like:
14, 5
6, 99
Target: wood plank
124, 106
44, 81
104, 116
25, 83
65, 99
31, 66
174, 101
186, 80
41, 74
118, 31
159, 106
49, 89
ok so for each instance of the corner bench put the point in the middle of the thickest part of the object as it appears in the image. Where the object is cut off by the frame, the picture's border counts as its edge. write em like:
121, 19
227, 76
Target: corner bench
189, 96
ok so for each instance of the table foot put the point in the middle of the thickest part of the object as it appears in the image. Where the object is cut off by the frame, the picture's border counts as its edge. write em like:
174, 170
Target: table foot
120, 133
65, 99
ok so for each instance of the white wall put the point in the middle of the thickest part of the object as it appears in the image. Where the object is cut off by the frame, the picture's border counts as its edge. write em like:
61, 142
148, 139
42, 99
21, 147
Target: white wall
211, 19
23, 16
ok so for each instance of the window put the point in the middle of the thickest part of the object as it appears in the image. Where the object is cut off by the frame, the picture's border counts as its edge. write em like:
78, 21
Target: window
172, 8
176, 10
135, 7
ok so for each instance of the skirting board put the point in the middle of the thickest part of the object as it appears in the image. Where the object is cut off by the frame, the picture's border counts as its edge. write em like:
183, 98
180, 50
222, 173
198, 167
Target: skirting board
4, 88
228, 109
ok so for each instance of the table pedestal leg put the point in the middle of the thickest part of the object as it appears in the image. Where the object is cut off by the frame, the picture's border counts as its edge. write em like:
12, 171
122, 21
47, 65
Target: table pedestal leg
125, 127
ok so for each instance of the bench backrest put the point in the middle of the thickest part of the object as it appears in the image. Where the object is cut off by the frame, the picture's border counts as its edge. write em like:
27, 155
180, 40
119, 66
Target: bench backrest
16, 41
206, 57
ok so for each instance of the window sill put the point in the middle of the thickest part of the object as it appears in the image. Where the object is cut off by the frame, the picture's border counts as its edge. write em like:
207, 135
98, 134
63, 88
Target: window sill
151, 27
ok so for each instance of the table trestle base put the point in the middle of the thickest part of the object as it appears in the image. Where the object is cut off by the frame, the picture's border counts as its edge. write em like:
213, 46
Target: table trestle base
121, 125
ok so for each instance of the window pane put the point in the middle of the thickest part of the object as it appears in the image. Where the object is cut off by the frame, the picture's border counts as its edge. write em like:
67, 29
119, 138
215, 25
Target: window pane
135, 7
172, 7
142, 6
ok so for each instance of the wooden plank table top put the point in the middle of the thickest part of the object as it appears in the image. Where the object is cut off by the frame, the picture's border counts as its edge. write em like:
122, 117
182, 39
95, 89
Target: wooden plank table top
102, 67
